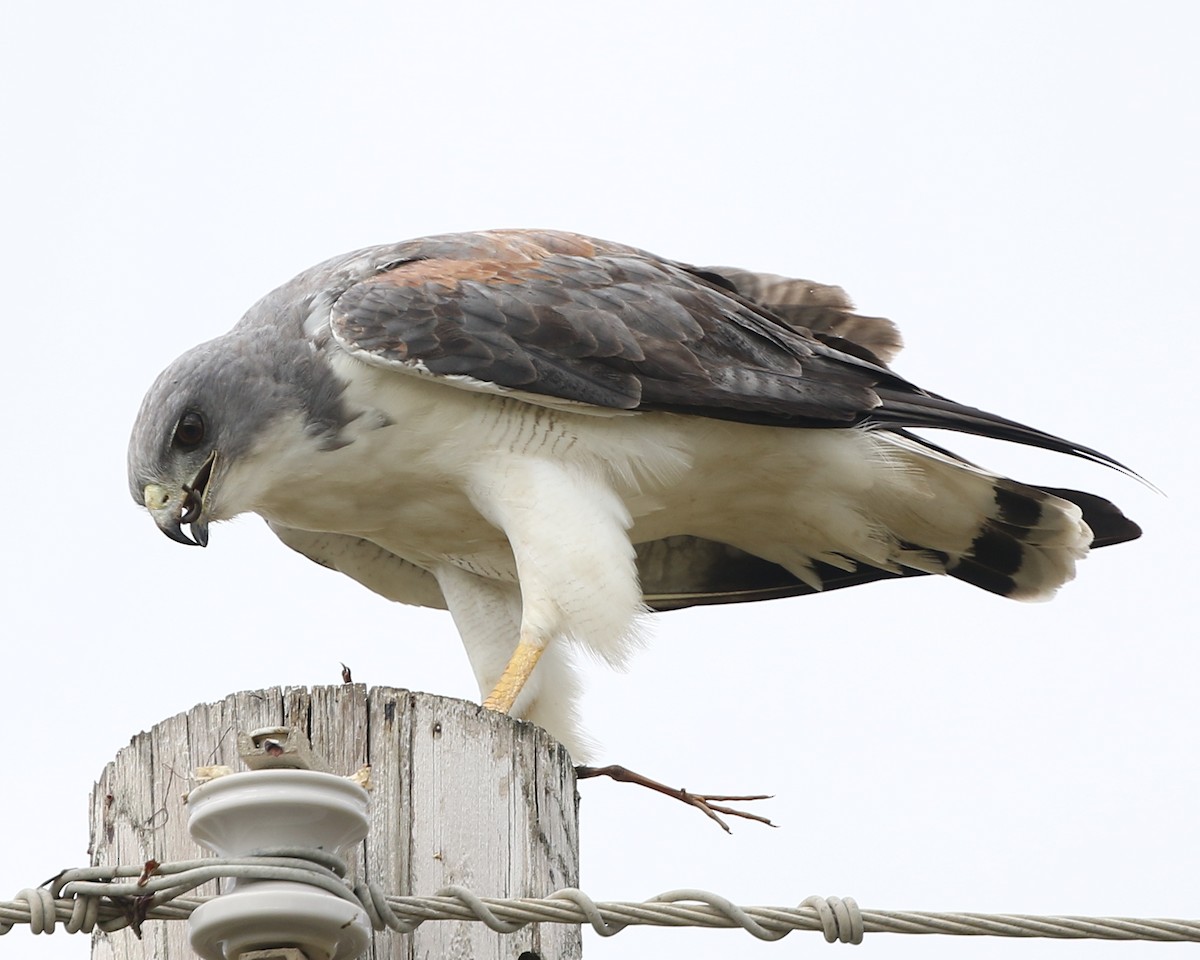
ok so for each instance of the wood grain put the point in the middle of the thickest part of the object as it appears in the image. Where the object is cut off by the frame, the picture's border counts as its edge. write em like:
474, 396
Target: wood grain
461, 795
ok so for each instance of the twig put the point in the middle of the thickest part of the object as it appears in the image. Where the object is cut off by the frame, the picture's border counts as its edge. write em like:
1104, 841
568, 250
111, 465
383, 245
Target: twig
707, 802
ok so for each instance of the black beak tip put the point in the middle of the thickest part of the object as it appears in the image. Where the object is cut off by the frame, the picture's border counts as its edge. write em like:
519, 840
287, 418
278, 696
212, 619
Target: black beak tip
175, 532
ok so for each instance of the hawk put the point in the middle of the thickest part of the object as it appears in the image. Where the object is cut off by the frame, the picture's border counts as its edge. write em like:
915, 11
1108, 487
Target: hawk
549, 434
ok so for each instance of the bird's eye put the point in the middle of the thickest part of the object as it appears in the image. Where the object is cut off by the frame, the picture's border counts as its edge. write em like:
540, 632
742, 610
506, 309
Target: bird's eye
189, 432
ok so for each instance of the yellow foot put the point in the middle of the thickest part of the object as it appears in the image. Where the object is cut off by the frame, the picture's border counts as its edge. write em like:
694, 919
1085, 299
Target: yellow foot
519, 668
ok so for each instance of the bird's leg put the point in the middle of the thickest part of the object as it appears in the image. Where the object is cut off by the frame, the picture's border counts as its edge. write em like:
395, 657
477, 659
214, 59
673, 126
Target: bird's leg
512, 680
575, 567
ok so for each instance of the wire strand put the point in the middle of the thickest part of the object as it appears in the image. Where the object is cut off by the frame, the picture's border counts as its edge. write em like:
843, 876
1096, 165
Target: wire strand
109, 898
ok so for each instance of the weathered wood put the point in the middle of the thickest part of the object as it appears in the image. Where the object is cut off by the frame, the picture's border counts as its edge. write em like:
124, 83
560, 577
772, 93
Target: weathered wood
461, 796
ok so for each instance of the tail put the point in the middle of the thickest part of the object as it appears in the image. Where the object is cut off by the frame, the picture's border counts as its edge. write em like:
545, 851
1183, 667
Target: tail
927, 513
1009, 538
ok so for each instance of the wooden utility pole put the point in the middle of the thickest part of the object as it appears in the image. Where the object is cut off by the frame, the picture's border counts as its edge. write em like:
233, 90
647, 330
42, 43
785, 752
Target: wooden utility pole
461, 795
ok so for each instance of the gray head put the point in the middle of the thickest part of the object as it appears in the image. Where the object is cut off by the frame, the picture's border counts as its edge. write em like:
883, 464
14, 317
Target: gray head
216, 405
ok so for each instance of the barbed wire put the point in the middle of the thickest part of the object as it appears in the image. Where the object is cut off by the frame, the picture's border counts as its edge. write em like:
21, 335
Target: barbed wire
92, 898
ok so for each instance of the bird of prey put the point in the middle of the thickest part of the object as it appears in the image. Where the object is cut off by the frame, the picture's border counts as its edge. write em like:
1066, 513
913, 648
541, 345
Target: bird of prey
549, 434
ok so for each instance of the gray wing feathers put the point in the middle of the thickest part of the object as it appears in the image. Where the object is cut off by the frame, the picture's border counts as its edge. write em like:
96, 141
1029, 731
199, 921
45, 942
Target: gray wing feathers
817, 307
615, 330
587, 321
374, 567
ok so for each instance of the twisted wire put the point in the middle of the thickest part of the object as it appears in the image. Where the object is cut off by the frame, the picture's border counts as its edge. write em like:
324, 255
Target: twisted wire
109, 898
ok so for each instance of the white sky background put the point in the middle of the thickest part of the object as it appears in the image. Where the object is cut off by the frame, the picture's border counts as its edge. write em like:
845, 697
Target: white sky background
1014, 184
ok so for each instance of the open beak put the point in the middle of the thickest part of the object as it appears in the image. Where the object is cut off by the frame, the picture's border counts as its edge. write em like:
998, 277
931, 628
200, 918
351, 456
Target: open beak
171, 511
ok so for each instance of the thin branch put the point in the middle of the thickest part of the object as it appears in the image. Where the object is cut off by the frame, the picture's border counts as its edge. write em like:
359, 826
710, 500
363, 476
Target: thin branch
709, 803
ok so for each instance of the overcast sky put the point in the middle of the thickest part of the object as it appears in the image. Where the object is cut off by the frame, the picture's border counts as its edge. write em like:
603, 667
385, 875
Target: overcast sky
1014, 183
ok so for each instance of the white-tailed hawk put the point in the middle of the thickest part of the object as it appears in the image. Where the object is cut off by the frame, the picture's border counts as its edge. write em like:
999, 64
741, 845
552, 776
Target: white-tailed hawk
548, 434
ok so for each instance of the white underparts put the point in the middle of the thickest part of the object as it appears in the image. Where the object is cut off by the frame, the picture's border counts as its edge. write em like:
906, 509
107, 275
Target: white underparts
523, 515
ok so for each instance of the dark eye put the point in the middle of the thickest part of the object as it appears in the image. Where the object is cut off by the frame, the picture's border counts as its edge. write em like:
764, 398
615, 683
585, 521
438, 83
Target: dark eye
189, 432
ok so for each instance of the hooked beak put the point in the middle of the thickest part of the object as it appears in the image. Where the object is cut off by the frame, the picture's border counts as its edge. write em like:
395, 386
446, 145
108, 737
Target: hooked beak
171, 511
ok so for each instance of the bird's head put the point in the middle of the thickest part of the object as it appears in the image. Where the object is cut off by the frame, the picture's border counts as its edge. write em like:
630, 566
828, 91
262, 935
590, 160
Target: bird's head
181, 442
207, 441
